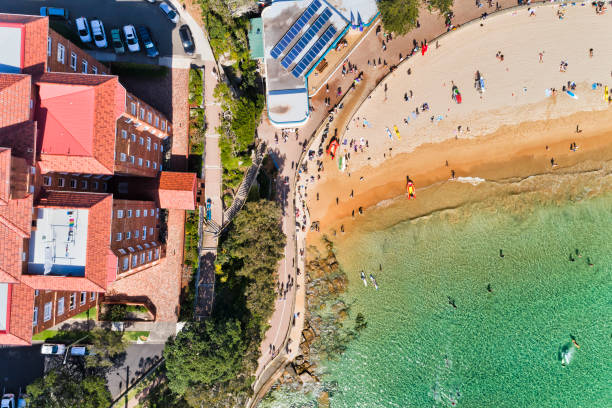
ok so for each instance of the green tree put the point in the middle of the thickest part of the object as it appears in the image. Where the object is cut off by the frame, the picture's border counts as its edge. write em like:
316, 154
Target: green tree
109, 347
62, 388
204, 353
400, 16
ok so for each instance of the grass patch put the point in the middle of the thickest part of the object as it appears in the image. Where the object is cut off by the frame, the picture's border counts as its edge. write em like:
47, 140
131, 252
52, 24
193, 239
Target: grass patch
195, 87
135, 335
60, 336
87, 314
129, 69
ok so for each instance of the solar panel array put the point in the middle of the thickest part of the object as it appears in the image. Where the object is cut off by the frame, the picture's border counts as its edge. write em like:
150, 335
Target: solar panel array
295, 29
308, 35
313, 51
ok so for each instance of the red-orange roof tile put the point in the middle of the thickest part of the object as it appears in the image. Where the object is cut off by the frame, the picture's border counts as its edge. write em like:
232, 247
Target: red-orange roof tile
177, 190
20, 316
15, 95
5, 175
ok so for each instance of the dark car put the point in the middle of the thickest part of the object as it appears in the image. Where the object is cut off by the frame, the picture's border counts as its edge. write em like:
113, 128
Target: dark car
187, 39
147, 40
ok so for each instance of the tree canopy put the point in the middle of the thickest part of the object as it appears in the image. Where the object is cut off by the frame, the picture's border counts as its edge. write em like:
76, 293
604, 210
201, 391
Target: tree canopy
400, 16
204, 353
61, 388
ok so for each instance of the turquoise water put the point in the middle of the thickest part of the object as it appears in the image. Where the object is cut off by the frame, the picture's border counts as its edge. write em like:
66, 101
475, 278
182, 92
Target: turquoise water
495, 349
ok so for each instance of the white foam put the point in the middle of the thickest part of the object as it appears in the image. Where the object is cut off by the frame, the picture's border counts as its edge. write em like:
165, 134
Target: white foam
470, 180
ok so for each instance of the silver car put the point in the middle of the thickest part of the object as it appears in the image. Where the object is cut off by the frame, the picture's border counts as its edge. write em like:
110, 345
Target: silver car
97, 28
83, 29
131, 38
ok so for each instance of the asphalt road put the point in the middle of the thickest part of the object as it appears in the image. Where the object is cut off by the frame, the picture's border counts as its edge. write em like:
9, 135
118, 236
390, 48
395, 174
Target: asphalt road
19, 366
114, 14
139, 358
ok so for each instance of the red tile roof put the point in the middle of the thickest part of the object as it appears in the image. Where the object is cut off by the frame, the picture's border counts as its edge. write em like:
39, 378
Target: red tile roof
15, 94
15, 225
20, 316
177, 190
98, 239
18, 18
5, 175
77, 116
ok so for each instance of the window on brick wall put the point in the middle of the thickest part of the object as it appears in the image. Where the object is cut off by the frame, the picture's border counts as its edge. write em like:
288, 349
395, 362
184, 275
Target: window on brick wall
84, 66
122, 157
94, 70
142, 258
118, 236
140, 161
95, 185
138, 213
60, 53
145, 213
133, 108
154, 165
47, 180
119, 213
155, 146
49, 43
92, 297
132, 159
156, 121
128, 234
73, 61
150, 117
148, 143
72, 300
129, 213
60, 306
61, 182
156, 253
35, 317
73, 183
124, 134
141, 141
126, 263
144, 232
142, 113
83, 297
151, 231
136, 233
134, 261
48, 311
84, 184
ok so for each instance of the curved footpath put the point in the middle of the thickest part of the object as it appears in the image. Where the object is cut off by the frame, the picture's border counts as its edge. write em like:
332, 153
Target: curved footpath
285, 336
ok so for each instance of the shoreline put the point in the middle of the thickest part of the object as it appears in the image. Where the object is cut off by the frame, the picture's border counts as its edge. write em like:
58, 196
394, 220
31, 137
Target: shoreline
494, 157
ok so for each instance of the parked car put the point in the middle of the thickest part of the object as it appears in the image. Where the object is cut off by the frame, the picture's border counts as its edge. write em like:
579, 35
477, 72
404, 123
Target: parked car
145, 36
54, 12
116, 41
97, 28
169, 12
130, 37
56, 349
81, 351
83, 29
8, 401
151, 1
187, 39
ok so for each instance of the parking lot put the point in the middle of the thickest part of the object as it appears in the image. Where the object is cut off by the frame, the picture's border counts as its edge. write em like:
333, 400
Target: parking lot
116, 14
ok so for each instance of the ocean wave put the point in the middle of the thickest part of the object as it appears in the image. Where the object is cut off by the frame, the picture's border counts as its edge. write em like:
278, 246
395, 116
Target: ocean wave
470, 180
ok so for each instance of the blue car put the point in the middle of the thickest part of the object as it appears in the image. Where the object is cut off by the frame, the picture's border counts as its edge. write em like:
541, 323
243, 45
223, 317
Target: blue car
147, 40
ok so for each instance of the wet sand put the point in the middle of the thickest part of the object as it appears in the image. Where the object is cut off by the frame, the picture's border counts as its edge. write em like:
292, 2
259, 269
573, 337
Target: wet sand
511, 152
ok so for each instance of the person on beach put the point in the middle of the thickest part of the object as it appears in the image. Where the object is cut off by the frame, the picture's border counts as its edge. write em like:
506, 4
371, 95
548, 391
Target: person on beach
541, 56
591, 53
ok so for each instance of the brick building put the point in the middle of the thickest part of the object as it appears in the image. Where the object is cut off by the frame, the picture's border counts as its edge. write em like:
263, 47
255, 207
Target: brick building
82, 189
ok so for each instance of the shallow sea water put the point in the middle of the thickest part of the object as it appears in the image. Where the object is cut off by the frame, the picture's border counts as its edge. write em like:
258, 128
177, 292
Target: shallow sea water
498, 348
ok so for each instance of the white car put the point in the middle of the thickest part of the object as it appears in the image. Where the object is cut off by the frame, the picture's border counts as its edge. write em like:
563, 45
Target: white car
57, 349
8, 401
97, 28
83, 29
131, 38
170, 13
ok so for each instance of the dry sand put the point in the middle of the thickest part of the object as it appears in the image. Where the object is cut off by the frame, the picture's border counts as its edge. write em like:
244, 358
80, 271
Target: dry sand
509, 127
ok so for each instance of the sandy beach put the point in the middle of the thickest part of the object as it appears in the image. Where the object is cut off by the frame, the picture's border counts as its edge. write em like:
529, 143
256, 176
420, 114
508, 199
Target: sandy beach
515, 127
